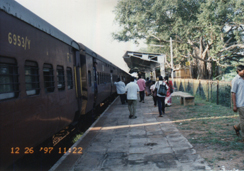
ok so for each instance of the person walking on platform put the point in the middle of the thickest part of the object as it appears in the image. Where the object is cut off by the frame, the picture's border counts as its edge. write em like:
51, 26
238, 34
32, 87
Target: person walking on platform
120, 87
148, 85
237, 90
161, 88
168, 98
142, 85
154, 93
132, 89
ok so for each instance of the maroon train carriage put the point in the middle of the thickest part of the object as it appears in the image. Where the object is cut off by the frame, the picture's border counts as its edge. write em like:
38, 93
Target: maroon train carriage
98, 77
37, 72
46, 80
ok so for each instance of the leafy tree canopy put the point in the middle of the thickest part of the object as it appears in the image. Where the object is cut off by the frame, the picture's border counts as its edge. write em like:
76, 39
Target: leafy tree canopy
206, 30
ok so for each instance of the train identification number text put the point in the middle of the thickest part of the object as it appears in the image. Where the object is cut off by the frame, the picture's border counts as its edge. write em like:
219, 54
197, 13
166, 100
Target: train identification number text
17, 40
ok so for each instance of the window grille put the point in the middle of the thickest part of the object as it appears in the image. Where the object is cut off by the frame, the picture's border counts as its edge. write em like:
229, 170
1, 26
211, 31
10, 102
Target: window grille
48, 78
69, 78
32, 78
9, 85
98, 78
60, 78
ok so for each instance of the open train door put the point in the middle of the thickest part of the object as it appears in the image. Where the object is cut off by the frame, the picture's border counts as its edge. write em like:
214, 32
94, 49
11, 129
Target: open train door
78, 84
111, 78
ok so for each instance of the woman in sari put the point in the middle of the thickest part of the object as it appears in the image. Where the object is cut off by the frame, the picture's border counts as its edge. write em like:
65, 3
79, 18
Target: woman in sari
168, 99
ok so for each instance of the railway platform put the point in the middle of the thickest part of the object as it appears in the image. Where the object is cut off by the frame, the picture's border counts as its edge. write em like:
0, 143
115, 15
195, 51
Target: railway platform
115, 142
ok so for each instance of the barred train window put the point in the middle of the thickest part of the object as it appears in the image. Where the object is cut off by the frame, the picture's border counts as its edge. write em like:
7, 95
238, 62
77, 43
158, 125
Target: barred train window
31, 78
60, 77
89, 78
69, 78
102, 78
48, 78
9, 86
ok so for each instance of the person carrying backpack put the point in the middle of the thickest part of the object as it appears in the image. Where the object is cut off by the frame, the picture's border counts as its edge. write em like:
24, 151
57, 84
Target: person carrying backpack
162, 88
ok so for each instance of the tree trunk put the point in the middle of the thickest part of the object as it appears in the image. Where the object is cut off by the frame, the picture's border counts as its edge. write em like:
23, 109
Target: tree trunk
202, 70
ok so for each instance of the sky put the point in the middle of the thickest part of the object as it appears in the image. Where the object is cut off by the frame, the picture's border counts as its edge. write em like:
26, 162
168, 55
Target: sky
90, 22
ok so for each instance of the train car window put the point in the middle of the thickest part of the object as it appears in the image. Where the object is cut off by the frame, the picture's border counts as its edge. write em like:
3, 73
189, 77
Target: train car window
115, 78
89, 78
9, 85
69, 78
101, 78
60, 78
104, 78
31, 78
98, 78
48, 78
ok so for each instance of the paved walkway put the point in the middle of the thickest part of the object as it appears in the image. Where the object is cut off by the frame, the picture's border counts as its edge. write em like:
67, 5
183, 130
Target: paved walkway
117, 143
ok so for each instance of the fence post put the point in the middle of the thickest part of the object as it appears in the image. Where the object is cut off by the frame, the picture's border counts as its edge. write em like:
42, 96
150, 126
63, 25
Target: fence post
208, 91
217, 92
211, 91
230, 96
199, 81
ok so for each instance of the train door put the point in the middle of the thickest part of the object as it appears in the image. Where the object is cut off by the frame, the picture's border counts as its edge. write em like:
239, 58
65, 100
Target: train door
78, 82
111, 78
95, 82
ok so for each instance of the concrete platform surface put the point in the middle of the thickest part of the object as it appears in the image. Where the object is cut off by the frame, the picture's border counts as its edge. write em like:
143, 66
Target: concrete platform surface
117, 143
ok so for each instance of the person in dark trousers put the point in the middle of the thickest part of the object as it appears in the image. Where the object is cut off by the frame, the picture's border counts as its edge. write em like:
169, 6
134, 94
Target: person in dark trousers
120, 87
132, 89
148, 85
142, 86
161, 99
237, 90
154, 93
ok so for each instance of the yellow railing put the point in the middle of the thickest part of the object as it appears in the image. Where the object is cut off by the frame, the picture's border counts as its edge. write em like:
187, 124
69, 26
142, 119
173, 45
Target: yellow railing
213, 91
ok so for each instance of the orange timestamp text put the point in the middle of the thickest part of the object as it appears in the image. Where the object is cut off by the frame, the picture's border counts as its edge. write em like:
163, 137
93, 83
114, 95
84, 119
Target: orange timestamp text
47, 150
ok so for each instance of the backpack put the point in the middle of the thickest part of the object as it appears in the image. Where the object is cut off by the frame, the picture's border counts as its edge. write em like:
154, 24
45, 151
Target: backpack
162, 90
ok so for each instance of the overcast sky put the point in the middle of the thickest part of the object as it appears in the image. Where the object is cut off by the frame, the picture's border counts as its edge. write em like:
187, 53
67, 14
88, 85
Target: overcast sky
90, 22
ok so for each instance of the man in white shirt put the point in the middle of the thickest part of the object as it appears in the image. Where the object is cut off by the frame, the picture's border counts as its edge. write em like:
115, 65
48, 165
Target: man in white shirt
237, 90
120, 87
132, 89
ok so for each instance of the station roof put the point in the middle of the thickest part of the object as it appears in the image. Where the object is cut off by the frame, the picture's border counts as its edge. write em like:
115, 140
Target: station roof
142, 62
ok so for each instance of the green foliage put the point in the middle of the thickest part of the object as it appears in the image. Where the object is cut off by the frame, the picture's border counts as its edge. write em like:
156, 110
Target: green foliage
210, 124
203, 29
77, 137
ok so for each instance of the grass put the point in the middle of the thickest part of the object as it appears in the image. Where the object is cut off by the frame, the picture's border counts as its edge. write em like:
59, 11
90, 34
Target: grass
77, 137
208, 123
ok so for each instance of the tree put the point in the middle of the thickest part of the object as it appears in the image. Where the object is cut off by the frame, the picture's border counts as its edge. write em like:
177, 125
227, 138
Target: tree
203, 31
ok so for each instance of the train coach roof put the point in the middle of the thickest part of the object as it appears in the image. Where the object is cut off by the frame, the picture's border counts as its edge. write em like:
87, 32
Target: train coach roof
93, 54
14, 8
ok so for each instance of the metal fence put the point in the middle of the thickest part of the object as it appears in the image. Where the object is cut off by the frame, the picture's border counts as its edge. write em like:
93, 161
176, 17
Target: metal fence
218, 92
